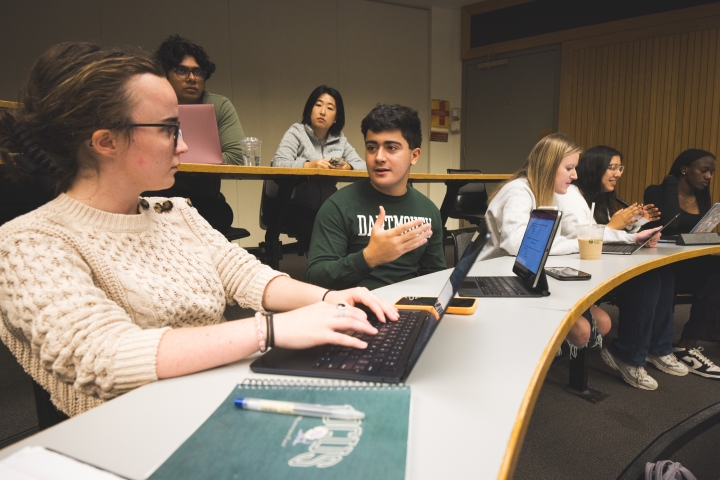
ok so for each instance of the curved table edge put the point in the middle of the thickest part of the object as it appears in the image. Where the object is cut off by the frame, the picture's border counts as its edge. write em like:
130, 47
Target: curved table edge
512, 452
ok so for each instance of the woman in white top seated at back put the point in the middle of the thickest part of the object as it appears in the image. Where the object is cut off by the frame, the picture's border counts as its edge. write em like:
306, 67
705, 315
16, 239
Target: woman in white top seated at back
549, 169
645, 322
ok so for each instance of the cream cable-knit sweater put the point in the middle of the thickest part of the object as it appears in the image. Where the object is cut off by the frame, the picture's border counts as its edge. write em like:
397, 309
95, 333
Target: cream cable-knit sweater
85, 295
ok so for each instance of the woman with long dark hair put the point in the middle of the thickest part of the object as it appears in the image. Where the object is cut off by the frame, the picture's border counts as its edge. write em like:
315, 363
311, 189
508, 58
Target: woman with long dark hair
686, 190
598, 174
645, 302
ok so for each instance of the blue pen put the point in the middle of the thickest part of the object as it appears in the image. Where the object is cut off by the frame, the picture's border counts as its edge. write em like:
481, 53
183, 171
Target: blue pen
339, 412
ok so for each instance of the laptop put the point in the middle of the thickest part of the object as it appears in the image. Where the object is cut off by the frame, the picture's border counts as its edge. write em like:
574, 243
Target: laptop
630, 248
529, 279
200, 133
391, 353
706, 224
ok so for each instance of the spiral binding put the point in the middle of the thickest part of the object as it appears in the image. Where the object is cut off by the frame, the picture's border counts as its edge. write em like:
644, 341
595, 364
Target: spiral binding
274, 384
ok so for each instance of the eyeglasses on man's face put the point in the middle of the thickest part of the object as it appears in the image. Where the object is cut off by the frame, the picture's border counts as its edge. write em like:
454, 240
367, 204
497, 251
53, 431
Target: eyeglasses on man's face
184, 72
612, 167
171, 127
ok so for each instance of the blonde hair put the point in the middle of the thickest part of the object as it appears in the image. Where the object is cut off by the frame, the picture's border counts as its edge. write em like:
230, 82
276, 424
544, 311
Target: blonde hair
541, 167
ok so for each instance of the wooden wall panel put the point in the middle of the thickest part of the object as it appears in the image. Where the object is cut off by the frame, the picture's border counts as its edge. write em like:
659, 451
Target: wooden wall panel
651, 97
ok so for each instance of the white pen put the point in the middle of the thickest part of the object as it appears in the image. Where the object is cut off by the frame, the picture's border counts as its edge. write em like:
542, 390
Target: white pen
339, 412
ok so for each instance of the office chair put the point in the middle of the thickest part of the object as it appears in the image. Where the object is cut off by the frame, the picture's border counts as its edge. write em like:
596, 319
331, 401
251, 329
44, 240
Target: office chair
462, 238
274, 218
465, 200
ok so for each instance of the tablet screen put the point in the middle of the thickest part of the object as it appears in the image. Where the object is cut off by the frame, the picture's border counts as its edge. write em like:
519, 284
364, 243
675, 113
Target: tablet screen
535, 240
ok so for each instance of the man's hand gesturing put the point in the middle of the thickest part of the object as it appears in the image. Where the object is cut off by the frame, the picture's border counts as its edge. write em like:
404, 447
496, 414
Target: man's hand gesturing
388, 245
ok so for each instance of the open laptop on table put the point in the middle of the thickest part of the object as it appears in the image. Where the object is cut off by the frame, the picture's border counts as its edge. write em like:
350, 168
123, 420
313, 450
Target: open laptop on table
529, 279
630, 248
706, 224
390, 355
200, 133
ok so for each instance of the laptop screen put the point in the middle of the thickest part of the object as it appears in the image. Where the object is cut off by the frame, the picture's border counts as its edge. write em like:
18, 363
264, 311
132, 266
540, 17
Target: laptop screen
459, 273
451, 287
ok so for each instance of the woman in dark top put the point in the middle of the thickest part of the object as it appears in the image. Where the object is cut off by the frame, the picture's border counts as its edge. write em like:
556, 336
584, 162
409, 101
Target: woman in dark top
685, 191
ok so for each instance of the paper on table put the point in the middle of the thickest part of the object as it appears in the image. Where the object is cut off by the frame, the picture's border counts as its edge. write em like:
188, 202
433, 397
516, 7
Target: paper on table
37, 463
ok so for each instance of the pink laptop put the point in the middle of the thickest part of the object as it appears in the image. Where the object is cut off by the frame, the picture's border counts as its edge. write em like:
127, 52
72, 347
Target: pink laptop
200, 133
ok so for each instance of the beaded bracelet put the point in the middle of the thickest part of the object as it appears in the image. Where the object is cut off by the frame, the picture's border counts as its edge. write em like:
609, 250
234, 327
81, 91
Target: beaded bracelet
261, 337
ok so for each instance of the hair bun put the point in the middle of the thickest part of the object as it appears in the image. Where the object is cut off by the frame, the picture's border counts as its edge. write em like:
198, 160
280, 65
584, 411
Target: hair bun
32, 159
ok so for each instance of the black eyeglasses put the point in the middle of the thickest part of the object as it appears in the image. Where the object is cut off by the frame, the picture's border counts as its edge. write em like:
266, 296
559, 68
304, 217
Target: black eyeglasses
176, 126
184, 72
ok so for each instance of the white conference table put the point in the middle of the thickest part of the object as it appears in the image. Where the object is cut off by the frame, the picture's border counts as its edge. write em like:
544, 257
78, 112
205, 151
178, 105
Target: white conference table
473, 389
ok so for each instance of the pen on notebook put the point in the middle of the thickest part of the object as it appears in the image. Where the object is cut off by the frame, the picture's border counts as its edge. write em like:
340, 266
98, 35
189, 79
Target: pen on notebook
338, 412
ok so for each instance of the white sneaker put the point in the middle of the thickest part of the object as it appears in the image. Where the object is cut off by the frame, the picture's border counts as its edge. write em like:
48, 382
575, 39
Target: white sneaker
668, 364
633, 375
697, 363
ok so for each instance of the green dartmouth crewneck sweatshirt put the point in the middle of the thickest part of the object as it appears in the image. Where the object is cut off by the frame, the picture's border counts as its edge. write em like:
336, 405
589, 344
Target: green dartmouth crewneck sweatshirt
342, 230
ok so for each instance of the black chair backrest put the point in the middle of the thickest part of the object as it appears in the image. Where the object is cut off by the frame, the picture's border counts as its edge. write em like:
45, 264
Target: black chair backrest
22, 195
471, 198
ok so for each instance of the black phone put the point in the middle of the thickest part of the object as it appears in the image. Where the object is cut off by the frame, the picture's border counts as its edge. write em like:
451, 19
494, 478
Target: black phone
567, 273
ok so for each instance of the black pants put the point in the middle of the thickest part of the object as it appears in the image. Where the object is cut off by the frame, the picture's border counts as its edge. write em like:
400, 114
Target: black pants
701, 278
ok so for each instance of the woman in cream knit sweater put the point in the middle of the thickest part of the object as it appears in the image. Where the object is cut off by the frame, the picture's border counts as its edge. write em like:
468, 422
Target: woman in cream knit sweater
102, 291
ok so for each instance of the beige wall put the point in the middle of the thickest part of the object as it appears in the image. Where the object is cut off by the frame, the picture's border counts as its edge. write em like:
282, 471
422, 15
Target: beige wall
270, 55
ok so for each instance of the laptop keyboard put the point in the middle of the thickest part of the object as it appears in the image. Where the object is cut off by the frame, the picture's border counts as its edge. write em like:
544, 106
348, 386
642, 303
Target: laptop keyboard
618, 247
500, 286
383, 351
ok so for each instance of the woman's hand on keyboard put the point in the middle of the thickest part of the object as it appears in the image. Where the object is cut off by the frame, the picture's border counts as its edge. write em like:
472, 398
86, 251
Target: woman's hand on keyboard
354, 296
321, 323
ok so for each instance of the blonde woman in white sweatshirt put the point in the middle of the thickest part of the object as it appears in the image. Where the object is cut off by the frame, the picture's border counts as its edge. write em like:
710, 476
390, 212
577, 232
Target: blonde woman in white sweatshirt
549, 169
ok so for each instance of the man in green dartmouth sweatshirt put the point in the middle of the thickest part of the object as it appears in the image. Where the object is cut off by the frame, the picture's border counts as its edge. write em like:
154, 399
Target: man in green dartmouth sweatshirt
379, 230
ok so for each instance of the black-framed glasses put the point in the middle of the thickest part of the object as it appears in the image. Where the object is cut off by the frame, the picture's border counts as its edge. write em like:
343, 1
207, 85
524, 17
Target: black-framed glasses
612, 167
184, 72
176, 126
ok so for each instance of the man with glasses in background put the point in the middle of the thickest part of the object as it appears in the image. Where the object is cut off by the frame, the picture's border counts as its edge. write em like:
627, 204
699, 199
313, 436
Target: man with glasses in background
187, 67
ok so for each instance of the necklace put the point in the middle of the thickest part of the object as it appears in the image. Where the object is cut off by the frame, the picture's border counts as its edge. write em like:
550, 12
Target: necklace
694, 199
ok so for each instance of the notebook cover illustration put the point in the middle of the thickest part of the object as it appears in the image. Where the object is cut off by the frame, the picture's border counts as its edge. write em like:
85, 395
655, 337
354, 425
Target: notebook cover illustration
240, 444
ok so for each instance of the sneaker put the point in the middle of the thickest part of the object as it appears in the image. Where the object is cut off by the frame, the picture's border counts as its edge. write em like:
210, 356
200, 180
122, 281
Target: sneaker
668, 364
697, 363
634, 375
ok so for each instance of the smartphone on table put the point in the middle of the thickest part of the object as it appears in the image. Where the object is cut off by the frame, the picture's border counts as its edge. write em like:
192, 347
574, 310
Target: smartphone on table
567, 273
458, 305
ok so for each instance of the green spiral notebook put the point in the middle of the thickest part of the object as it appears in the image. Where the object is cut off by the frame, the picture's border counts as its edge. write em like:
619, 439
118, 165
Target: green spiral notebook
242, 444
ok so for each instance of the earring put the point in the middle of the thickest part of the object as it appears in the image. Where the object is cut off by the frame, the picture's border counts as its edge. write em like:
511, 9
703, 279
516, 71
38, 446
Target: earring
91, 144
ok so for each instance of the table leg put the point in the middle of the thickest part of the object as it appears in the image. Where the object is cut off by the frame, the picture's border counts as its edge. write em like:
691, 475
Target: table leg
578, 378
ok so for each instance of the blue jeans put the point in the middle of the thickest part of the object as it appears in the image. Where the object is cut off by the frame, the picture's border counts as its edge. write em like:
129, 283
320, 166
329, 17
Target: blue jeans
646, 316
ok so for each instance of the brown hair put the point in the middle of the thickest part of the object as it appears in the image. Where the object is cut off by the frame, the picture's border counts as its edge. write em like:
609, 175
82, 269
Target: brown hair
73, 90
541, 167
